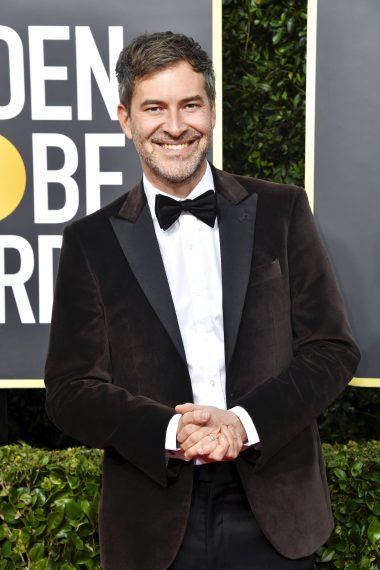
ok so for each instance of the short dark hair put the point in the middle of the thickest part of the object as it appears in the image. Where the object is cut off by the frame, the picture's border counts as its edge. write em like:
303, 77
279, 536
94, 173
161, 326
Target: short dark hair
148, 53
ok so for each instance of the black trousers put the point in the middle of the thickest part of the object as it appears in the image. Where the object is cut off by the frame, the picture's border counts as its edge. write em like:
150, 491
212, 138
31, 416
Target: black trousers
222, 533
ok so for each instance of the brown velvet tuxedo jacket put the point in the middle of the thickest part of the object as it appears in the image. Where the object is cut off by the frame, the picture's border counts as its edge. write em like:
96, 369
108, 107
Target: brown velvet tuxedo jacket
116, 366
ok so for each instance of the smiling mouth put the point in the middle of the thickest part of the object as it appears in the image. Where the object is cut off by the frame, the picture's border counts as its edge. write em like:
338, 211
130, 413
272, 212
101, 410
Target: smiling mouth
180, 145
175, 146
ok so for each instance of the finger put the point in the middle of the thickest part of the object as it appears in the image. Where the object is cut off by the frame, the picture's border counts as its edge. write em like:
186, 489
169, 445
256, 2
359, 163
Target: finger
185, 431
183, 408
230, 436
195, 437
221, 449
198, 417
239, 442
227, 449
204, 448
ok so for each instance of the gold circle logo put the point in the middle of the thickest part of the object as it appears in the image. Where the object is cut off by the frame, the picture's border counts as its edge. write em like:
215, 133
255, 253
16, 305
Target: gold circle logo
12, 177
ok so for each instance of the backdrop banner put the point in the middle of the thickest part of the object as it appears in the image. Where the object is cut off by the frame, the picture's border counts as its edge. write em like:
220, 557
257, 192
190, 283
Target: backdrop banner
62, 153
347, 145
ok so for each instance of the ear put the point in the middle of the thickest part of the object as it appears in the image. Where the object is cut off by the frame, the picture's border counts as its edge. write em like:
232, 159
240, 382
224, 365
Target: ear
124, 120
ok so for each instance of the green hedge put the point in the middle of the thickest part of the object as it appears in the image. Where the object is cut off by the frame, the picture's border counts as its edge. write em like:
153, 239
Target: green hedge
264, 77
49, 500
48, 507
353, 472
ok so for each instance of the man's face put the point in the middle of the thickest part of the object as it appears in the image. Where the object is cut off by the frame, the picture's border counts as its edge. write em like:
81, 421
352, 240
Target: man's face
171, 122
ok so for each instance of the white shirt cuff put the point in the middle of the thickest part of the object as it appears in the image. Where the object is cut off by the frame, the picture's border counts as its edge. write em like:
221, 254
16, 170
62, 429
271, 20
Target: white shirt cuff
249, 426
171, 449
171, 433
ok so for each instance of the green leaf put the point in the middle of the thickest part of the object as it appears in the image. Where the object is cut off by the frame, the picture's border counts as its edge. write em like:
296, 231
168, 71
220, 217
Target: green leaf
25, 498
8, 513
55, 518
38, 496
44, 460
340, 474
39, 530
264, 87
2, 532
357, 468
290, 25
328, 554
277, 38
42, 564
85, 530
6, 549
24, 537
374, 530
37, 552
73, 510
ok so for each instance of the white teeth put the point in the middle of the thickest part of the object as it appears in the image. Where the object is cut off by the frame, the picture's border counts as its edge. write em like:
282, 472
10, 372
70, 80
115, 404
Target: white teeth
175, 146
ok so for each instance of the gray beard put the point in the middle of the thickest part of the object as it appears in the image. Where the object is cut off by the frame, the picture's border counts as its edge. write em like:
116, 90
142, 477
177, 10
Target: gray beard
177, 177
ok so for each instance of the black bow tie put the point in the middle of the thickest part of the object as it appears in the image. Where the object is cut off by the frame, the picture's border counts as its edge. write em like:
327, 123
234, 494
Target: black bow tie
169, 210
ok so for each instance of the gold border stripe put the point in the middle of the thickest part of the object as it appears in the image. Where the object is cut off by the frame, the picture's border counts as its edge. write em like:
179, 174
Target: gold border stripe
21, 383
311, 63
365, 382
37, 383
217, 147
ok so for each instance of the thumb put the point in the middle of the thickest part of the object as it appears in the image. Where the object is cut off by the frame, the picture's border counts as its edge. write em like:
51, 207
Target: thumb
184, 408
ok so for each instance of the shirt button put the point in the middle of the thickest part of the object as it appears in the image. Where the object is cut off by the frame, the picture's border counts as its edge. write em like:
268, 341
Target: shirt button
212, 382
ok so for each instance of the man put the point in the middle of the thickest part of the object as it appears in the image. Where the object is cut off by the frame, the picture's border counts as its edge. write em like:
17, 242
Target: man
197, 334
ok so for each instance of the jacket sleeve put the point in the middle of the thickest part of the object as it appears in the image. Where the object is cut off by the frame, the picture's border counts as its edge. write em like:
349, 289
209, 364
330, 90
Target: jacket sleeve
325, 355
81, 398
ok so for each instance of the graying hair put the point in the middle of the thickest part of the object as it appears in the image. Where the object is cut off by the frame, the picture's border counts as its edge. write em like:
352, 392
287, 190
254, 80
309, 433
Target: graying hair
148, 53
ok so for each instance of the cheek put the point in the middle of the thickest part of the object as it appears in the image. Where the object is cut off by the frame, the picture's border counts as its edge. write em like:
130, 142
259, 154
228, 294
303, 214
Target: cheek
207, 125
146, 131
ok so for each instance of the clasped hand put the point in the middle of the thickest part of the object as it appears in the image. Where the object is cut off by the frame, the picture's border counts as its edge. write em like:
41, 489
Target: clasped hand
210, 433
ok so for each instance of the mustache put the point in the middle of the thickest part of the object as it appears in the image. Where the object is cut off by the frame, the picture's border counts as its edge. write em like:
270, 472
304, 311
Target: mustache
182, 139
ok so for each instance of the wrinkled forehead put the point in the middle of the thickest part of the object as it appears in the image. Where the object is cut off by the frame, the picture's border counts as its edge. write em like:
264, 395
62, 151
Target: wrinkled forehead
178, 80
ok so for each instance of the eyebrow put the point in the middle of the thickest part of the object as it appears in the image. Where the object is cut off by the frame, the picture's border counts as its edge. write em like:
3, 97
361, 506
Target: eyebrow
159, 102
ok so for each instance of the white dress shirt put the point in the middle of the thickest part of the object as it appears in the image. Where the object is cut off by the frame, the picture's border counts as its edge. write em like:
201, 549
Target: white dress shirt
190, 252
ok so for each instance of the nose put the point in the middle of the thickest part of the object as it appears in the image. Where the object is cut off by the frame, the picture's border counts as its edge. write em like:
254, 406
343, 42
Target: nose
174, 125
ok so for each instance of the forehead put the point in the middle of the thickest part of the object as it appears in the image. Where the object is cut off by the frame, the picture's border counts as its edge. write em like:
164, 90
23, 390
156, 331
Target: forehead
178, 81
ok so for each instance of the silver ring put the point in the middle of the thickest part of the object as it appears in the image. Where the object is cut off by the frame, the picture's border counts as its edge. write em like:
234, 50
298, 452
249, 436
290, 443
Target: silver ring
212, 436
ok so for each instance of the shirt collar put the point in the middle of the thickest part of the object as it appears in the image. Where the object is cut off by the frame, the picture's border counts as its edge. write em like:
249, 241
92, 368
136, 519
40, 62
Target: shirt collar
206, 183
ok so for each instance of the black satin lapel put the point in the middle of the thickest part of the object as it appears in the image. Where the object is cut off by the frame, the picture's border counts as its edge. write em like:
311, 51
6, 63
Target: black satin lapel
236, 231
139, 244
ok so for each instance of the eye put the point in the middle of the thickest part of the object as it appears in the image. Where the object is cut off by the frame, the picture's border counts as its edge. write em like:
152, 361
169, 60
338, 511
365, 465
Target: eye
153, 110
192, 106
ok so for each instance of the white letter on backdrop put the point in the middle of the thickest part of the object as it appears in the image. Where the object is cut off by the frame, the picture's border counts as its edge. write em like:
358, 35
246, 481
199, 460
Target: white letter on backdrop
42, 176
40, 73
46, 245
16, 74
89, 60
16, 280
95, 178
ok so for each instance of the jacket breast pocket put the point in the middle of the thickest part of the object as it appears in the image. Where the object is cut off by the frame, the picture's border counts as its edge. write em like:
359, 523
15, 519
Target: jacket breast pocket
266, 272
